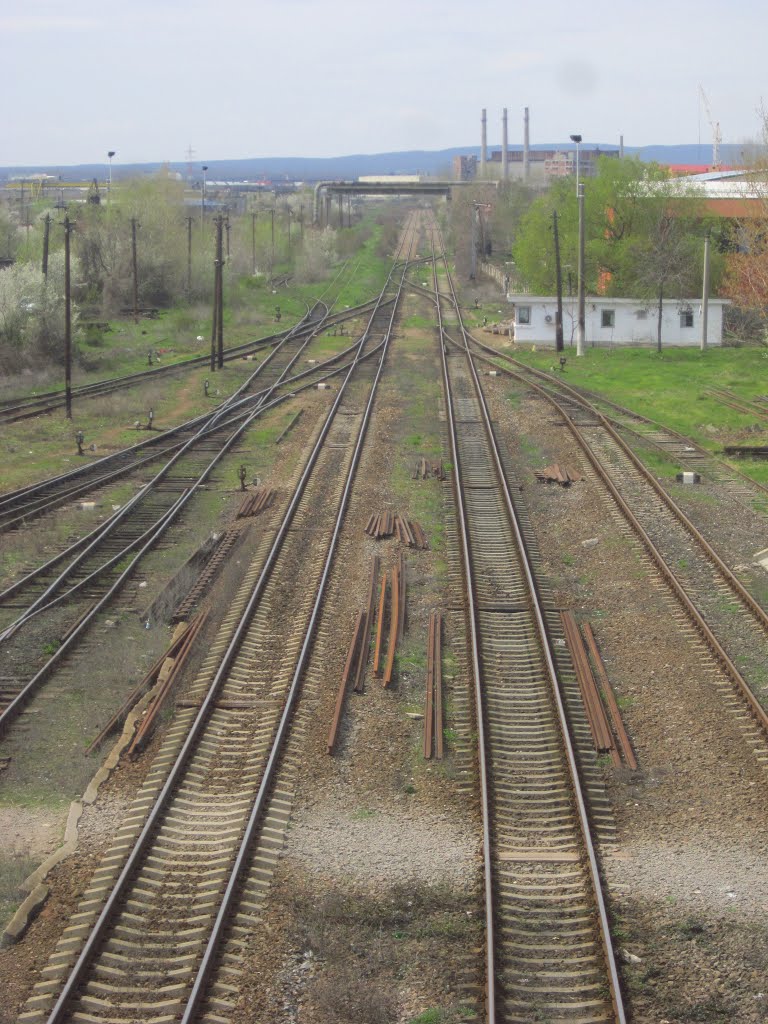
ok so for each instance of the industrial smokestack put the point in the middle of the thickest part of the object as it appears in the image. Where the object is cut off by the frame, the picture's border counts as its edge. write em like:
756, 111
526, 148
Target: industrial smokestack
504, 146
526, 146
621, 147
483, 144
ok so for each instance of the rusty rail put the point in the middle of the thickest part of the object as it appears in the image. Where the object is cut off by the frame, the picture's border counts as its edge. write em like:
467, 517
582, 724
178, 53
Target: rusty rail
610, 698
149, 679
433, 705
593, 705
350, 670
147, 723
394, 626
380, 627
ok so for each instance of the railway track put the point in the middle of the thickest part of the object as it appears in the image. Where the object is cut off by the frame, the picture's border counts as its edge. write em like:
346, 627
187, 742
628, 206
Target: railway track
19, 507
548, 950
729, 620
76, 586
13, 409
690, 456
214, 809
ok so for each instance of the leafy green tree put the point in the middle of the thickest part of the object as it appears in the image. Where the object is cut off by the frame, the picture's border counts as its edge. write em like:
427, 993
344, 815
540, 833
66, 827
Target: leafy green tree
627, 207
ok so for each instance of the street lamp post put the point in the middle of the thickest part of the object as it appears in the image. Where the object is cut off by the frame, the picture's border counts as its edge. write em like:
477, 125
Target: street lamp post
581, 325
577, 140
202, 198
110, 154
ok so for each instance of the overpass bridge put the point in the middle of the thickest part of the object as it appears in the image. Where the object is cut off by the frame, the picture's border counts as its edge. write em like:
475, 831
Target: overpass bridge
326, 190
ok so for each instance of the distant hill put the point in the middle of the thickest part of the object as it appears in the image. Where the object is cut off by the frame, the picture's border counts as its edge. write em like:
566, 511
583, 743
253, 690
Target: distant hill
430, 162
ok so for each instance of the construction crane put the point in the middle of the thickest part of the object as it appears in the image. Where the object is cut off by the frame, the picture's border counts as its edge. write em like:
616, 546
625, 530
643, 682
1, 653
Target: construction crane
717, 138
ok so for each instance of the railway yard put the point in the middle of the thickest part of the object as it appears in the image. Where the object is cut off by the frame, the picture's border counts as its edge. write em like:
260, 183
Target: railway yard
395, 688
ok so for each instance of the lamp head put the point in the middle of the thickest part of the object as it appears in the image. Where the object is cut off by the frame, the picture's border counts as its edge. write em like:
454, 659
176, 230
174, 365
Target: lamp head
575, 138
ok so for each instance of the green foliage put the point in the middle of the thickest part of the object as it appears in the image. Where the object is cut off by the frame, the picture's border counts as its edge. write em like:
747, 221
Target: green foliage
643, 231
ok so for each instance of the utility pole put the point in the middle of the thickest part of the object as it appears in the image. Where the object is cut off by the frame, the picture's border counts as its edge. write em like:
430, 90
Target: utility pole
220, 302
135, 264
473, 251
705, 295
226, 225
272, 212
580, 328
67, 319
189, 257
301, 222
217, 323
253, 241
559, 276
341, 211
46, 242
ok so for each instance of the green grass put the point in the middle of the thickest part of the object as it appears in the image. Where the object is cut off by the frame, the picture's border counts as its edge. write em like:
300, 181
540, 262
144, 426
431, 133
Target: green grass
671, 388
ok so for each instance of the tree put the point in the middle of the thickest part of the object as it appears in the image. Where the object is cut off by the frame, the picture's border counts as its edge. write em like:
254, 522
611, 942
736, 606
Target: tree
32, 315
625, 209
746, 275
664, 262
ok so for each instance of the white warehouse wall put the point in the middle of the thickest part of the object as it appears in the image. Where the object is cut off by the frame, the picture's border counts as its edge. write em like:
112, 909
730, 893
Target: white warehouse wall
634, 322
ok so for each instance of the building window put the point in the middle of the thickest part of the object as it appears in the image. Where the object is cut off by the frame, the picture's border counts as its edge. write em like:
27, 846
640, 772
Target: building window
523, 314
686, 318
641, 314
608, 318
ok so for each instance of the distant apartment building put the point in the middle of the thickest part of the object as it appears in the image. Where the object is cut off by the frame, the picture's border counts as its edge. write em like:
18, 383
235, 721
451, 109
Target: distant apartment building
464, 168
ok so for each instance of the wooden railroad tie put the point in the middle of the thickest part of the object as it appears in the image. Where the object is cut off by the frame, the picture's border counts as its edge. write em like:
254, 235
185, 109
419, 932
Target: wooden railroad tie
256, 502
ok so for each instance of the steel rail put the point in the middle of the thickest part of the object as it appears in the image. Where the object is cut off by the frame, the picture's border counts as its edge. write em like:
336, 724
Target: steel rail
208, 961
16, 705
194, 423
57, 1013
716, 648
584, 394
291, 382
580, 802
206, 425
12, 409
490, 943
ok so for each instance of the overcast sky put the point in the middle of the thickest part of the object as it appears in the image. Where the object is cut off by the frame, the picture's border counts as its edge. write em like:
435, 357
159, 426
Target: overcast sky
255, 78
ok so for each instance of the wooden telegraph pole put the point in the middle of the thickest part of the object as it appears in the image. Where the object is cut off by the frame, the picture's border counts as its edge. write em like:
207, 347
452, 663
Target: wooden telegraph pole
559, 345
135, 265
67, 319
46, 241
189, 257
220, 303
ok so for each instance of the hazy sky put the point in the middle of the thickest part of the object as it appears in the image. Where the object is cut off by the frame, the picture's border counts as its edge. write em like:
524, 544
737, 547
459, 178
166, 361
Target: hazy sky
230, 78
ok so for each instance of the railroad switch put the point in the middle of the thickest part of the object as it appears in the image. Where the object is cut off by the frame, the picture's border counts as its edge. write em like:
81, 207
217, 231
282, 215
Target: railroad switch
80, 439
242, 474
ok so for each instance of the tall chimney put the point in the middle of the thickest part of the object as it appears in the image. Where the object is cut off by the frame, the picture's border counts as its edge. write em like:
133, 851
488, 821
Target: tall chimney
526, 146
483, 144
621, 147
504, 147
